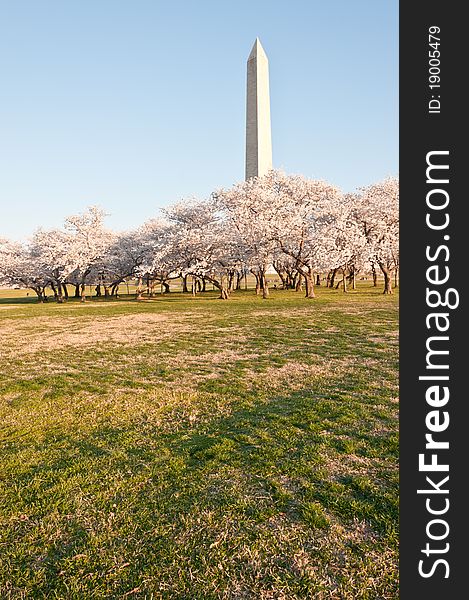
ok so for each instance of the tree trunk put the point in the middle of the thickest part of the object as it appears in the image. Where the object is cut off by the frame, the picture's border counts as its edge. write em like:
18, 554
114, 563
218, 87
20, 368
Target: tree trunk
387, 279
83, 292
396, 278
258, 285
265, 288
165, 284
308, 277
194, 286
283, 277
231, 281
139, 290
332, 278
318, 279
220, 285
292, 279
344, 281
375, 275
60, 297
77, 290
40, 294
185, 289
64, 285
284, 280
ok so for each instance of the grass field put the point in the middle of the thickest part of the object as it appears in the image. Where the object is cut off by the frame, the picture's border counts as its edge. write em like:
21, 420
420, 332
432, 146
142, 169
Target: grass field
191, 448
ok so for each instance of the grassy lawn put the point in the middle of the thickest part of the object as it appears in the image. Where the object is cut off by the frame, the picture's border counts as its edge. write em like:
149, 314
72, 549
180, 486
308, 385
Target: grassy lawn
191, 448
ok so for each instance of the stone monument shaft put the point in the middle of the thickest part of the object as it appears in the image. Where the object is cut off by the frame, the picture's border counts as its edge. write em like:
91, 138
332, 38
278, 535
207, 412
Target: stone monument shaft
258, 134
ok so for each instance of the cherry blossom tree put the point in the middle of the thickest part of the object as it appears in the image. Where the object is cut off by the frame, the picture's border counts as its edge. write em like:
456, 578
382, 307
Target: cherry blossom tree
67, 255
124, 256
377, 213
89, 242
160, 263
344, 245
200, 242
296, 212
19, 268
248, 206
51, 250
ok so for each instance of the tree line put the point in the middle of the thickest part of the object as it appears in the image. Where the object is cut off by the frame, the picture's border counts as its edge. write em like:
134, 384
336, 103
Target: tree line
303, 228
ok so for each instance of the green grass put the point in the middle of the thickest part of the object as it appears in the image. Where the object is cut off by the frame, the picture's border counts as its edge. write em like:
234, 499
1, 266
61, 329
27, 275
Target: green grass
193, 448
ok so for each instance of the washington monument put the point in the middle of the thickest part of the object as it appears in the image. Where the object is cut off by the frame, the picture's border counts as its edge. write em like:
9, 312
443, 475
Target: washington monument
258, 136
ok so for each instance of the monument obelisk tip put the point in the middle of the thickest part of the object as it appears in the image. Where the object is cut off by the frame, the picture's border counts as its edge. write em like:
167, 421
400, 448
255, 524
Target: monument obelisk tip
257, 50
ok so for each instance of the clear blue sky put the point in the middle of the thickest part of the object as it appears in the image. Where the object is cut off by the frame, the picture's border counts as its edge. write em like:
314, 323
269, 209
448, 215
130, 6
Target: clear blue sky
133, 104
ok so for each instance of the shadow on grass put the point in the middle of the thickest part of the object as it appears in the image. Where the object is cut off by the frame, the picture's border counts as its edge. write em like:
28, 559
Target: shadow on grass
175, 296
134, 491
294, 436
19, 300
